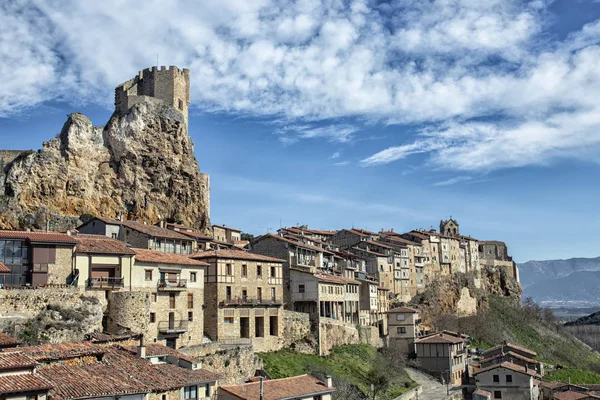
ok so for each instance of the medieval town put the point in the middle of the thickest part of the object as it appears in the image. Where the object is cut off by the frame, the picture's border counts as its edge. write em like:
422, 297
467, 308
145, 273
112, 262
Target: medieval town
137, 300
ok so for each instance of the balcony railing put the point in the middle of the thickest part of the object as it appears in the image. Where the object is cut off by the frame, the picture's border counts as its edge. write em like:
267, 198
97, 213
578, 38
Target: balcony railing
301, 261
105, 283
177, 284
250, 301
177, 326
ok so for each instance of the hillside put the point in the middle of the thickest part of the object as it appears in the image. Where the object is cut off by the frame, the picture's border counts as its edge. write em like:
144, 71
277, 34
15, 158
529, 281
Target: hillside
140, 164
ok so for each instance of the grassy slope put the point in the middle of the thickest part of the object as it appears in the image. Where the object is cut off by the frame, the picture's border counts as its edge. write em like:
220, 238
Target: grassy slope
350, 362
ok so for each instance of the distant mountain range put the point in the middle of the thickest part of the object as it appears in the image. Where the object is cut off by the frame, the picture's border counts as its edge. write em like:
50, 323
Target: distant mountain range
553, 283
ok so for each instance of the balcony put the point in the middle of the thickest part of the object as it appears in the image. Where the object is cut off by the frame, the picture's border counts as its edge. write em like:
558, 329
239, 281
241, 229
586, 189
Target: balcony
302, 262
167, 327
105, 283
460, 352
250, 301
169, 285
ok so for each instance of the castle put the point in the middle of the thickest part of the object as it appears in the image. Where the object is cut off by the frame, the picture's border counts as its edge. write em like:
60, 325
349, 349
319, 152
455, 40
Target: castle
172, 86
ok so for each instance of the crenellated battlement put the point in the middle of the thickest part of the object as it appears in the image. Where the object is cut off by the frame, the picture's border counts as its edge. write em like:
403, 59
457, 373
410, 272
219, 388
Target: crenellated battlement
171, 85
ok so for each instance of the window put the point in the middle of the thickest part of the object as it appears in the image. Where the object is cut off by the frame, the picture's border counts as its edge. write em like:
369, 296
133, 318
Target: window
154, 298
228, 270
228, 320
190, 298
244, 271
509, 378
301, 289
152, 317
181, 108
228, 292
148, 275
401, 329
259, 293
259, 327
164, 397
192, 277
273, 294
273, 272
400, 317
259, 271
244, 294
497, 394
273, 325
496, 378
171, 300
113, 235
190, 316
190, 392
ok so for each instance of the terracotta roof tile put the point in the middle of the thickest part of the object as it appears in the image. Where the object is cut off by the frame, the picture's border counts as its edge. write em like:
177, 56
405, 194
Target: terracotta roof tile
510, 346
296, 387
4, 269
336, 279
156, 350
511, 366
196, 235
58, 351
15, 360
482, 392
154, 231
573, 395
234, 255
294, 242
13, 384
403, 310
440, 338
159, 257
40, 237
226, 227
7, 341
99, 244
509, 354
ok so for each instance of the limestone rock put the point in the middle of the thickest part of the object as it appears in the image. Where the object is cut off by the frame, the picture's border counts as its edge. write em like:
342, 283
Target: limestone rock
141, 164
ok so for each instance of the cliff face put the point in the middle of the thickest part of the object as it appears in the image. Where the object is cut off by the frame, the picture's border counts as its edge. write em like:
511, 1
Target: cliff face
140, 164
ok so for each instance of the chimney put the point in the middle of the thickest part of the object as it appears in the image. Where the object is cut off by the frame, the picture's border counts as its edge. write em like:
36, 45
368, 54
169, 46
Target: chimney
261, 394
329, 381
47, 225
141, 350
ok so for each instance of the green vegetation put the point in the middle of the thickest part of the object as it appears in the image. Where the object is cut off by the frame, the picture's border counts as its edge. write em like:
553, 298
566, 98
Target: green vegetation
575, 375
353, 368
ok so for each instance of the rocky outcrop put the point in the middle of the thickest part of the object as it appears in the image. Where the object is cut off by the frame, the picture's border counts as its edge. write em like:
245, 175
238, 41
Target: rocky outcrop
141, 165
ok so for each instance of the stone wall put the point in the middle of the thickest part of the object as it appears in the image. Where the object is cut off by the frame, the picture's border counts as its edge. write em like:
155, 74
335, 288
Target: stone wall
335, 333
370, 335
467, 304
59, 272
235, 364
51, 314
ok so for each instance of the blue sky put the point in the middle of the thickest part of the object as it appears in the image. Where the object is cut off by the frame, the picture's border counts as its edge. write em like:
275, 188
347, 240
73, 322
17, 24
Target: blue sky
346, 113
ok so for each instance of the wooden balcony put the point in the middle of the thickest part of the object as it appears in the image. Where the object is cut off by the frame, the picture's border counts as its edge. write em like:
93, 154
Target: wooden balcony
170, 285
250, 301
177, 326
104, 283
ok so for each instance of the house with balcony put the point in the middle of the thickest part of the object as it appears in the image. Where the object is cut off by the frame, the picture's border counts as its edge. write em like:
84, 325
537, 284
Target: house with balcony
171, 287
304, 231
243, 298
368, 302
379, 262
296, 255
346, 238
403, 328
443, 355
36, 258
102, 263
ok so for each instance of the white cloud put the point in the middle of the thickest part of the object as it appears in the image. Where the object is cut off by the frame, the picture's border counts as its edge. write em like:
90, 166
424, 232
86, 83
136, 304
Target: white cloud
438, 63
452, 181
335, 155
341, 163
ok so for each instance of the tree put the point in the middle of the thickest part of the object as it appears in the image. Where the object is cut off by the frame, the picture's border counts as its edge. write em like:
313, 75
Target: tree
378, 380
247, 236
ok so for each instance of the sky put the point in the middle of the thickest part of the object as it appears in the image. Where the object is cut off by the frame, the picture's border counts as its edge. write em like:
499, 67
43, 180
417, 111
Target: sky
341, 114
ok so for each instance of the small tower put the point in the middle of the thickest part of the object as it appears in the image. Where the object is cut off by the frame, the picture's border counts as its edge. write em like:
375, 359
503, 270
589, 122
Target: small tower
171, 86
449, 227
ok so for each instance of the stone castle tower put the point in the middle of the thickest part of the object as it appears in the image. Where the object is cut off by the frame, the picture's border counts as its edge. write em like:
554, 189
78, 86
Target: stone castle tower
449, 227
172, 86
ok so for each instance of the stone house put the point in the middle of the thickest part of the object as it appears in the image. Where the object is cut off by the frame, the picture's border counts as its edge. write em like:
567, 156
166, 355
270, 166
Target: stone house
223, 233
471, 251
102, 263
383, 305
368, 302
110, 227
18, 379
165, 302
443, 355
36, 258
243, 298
507, 381
296, 255
494, 253
379, 265
403, 328
512, 353
303, 387
346, 238
303, 230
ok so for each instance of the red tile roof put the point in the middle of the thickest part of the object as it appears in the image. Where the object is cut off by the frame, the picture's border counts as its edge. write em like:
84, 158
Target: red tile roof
7, 341
482, 392
509, 354
440, 338
99, 244
13, 384
296, 387
403, 310
196, 235
226, 227
511, 366
573, 395
294, 242
58, 351
154, 231
39, 237
4, 269
234, 255
157, 350
15, 361
510, 346
159, 257
336, 279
